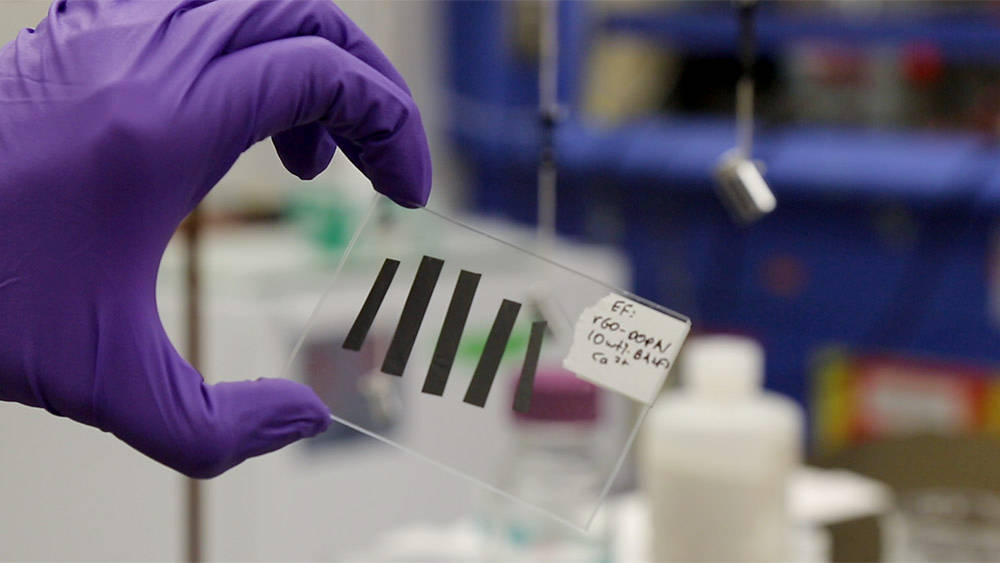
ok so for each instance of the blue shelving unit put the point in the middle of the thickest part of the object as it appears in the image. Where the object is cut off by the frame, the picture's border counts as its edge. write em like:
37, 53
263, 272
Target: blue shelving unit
959, 37
882, 239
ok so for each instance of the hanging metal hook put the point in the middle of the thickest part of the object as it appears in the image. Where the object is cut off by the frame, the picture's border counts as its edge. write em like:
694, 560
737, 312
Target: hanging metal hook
739, 178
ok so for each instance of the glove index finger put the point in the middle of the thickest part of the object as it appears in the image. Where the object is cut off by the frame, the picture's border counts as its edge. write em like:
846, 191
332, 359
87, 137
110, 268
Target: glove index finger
270, 88
238, 24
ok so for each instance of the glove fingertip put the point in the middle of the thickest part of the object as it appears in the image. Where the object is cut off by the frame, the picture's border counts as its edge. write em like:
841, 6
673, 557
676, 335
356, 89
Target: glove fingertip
292, 402
319, 414
403, 202
269, 414
402, 180
305, 151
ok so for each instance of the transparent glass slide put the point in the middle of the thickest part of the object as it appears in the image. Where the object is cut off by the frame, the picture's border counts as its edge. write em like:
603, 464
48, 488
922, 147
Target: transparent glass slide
432, 332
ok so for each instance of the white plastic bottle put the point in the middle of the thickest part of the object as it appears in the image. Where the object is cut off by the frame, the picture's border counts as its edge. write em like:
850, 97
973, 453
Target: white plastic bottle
716, 456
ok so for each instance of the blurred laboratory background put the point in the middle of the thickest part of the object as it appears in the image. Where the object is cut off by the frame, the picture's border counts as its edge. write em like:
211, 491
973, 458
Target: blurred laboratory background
838, 398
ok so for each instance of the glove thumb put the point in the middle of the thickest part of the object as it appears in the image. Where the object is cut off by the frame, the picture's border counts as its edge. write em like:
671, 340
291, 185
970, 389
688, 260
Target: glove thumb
262, 416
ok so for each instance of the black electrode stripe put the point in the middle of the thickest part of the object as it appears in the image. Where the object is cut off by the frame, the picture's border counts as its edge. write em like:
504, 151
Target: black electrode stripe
525, 386
412, 316
451, 332
363, 323
496, 343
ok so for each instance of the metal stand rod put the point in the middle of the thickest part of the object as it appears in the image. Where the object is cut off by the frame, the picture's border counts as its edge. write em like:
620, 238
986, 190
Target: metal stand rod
745, 85
548, 112
193, 501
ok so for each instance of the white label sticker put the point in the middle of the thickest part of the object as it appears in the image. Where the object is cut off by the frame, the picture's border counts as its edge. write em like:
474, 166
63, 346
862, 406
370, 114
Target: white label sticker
625, 346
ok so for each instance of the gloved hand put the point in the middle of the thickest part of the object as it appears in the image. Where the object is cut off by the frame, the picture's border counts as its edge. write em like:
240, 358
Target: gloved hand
116, 118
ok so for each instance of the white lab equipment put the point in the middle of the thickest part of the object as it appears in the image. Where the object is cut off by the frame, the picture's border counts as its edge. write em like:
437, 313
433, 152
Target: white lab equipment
818, 498
716, 456
946, 524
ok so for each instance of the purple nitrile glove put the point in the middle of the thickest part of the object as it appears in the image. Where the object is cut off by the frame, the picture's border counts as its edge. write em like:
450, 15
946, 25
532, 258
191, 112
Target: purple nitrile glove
116, 118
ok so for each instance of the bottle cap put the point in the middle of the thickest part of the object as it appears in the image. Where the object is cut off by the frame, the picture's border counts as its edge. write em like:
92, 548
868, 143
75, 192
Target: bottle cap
560, 396
723, 365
